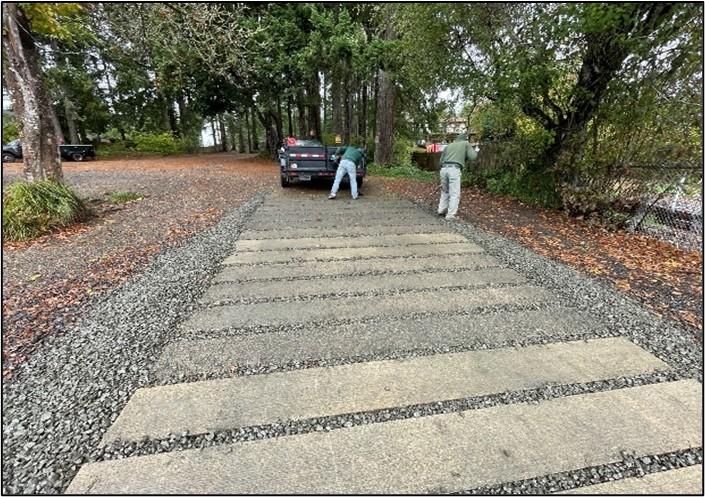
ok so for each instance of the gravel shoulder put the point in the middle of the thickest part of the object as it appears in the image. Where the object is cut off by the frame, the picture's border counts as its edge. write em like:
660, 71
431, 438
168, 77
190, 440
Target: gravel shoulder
48, 282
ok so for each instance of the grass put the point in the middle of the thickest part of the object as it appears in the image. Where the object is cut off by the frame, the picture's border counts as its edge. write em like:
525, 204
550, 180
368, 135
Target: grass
118, 198
33, 209
402, 171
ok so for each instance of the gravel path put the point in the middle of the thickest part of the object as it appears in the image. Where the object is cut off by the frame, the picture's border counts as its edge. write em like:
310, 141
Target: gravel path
73, 387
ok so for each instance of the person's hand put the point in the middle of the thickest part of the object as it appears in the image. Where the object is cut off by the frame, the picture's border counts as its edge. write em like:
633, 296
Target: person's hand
477, 148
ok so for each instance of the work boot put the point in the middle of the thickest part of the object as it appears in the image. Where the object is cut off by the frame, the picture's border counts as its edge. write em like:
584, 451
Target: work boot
331, 196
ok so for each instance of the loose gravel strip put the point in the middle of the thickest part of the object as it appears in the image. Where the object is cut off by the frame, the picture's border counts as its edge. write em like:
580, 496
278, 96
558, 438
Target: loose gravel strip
629, 467
182, 441
665, 338
74, 386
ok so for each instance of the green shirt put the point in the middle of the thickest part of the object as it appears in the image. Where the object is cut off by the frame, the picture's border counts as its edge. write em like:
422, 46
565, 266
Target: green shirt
458, 152
350, 153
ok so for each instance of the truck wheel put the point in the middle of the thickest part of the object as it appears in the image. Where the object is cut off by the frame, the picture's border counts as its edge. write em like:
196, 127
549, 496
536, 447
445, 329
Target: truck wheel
7, 157
285, 182
77, 156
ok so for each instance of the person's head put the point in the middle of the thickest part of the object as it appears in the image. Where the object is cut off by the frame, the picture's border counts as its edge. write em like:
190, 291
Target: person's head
462, 137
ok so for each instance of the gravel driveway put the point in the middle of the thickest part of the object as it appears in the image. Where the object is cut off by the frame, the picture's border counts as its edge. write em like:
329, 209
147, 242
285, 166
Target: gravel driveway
558, 369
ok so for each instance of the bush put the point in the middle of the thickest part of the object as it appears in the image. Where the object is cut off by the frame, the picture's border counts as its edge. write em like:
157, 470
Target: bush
9, 129
33, 209
531, 188
123, 197
163, 144
402, 171
146, 144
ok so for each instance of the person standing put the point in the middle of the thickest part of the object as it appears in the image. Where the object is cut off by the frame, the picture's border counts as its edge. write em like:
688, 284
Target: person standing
351, 158
453, 160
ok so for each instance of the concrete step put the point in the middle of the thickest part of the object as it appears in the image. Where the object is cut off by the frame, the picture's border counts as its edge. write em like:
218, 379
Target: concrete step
342, 200
291, 218
438, 249
340, 223
295, 211
343, 231
220, 355
215, 405
282, 313
681, 481
241, 272
432, 454
268, 290
321, 200
347, 242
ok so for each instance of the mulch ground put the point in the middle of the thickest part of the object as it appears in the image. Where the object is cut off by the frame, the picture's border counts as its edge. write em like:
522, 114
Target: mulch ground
49, 281
666, 279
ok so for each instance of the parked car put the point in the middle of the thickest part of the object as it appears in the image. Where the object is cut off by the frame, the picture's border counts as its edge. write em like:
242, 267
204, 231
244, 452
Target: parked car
307, 160
13, 152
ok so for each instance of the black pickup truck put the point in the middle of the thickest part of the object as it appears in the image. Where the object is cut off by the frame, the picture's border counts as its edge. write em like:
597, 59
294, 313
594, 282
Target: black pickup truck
13, 151
307, 160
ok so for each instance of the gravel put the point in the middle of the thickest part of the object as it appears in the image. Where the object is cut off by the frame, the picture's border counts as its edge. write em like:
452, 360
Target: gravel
628, 467
64, 398
72, 389
665, 338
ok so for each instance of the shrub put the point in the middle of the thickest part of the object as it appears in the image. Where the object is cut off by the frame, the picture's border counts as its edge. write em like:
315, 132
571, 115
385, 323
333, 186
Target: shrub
33, 209
164, 144
9, 129
123, 197
402, 171
147, 144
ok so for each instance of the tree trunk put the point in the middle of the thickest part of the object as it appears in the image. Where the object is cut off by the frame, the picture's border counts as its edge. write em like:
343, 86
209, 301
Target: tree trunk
288, 115
255, 139
181, 104
347, 107
223, 134
373, 107
335, 95
215, 136
269, 118
324, 104
71, 121
246, 116
173, 125
384, 140
240, 136
603, 58
31, 101
280, 119
301, 111
363, 113
313, 92
57, 126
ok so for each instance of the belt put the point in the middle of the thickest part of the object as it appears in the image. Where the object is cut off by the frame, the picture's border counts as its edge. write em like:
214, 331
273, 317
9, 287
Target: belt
452, 164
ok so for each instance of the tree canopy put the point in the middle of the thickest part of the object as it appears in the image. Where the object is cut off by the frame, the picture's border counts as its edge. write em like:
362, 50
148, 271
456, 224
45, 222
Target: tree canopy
573, 79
